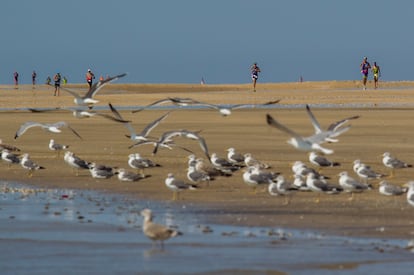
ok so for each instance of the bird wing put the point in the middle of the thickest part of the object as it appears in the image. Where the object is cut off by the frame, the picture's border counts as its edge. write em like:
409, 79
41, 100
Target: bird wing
315, 122
98, 85
64, 124
334, 126
25, 126
145, 132
272, 122
158, 102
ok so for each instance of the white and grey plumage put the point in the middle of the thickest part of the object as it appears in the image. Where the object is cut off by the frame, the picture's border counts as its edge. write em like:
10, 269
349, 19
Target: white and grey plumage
156, 232
300, 183
30, 165
301, 169
318, 185
210, 169
168, 136
57, 147
235, 157
249, 160
351, 185
125, 175
388, 189
223, 164
299, 142
75, 161
87, 99
225, 110
321, 161
177, 185
365, 172
173, 100
253, 177
393, 163
333, 129
9, 157
410, 192
51, 127
136, 161
142, 136
197, 176
100, 171
283, 188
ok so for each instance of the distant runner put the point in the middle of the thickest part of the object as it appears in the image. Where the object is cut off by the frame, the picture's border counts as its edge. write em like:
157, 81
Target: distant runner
376, 71
255, 70
365, 66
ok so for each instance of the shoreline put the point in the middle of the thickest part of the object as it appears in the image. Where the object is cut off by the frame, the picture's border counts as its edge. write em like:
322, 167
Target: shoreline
229, 200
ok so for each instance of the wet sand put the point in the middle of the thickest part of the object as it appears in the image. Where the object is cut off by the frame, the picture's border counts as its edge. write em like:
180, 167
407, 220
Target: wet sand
386, 124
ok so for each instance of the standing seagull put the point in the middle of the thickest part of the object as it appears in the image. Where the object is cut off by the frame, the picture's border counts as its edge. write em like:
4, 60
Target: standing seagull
28, 164
57, 147
393, 163
124, 175
351, 185
321, 161
234, 157
9, 157
388, 189
156, 232
75, 161
177, 185
87, 99
51, 127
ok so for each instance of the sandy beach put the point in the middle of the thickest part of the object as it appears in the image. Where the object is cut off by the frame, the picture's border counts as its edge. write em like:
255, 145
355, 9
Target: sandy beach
385, 124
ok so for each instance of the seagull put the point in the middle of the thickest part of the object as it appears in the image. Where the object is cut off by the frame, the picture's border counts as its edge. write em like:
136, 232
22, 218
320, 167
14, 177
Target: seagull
351, 185
156, 232
142, 136
99, 171
234, 157
365, 171
332, 130
11, 148
388, 189
282, 187
253, 177
177, 185
57, 147
167, 137
223, 164
300, 183
225, 110
410, 192
393, 163
80, 113
174, 100
75, 162
249, 160
137, 162
320, 186
9, 157
210, 169
28, 164
321, 161
87, 99
196, 176
124, 175
298, 141
51, 127
299, 168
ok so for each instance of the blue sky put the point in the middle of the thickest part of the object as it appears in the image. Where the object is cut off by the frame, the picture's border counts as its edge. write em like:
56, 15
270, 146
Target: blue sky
180, 41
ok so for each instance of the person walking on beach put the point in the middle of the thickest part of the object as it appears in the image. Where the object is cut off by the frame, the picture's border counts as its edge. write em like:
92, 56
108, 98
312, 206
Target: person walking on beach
376, 71
57, 78
16, 79
89, 78
48, 80
34, 75
255, 70
365, 66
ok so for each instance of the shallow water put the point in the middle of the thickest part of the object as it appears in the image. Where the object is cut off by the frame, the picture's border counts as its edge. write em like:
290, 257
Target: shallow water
75, 231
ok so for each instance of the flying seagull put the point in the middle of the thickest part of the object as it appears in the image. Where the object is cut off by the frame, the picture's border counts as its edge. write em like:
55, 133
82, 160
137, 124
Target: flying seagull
87, 99
79, 113
298, 141
51, 127
225, 110
173, 100
147, 129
